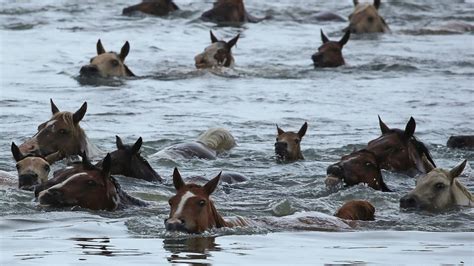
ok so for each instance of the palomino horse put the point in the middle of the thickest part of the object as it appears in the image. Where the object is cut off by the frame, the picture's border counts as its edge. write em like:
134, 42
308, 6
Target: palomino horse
461, 142
217, 54
356, 210
229, 11
208, 145
366, 19
61, 133
287, 145
152, 7
399, 150
438, 190
127, 161
358, 167
108, 64
32, 170
330, 52
87, 186
191, 209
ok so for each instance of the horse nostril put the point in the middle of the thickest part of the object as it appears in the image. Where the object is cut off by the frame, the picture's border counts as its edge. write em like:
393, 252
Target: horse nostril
408, 202
334, 170
89, 70
182, 221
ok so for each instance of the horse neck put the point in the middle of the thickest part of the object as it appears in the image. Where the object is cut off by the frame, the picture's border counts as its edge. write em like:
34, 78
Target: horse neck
461, 195
216, 218
86, 145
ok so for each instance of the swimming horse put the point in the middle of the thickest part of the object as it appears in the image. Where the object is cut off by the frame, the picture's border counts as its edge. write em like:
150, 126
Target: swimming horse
229, 11
152, 7
330, 52
438, 190
207, 146
287, 145
61, 133
366, 19
218, 54
461, 142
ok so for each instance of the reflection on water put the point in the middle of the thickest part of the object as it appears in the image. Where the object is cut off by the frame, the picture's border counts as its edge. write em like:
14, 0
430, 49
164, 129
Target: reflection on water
190, 249
103, 247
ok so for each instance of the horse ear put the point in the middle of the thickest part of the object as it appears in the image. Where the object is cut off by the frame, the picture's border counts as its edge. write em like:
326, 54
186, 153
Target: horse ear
280, 131
177, 179
79, 114
16, 153
213, 38
106, 165
427, 164
119, 143
376, 4
324, 38
303, 129
384, 128
410, 128
233, 41
124, 51
457, 170
54, 108
345, 38
138, 144
85, 161
356, 2
210, 186
100, 48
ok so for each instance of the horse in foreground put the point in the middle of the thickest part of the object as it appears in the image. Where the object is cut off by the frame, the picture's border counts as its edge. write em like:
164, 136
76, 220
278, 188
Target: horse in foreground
287, 145
218, 54
330, 52
438, 190
366, 19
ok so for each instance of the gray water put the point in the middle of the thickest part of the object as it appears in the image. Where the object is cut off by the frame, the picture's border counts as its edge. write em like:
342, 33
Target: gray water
420, 70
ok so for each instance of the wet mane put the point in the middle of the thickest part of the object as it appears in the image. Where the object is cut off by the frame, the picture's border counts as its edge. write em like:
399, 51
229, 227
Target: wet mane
464, 191
125, 198
218, 139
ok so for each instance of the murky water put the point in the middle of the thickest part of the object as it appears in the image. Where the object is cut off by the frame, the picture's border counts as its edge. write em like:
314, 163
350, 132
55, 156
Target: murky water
420, 70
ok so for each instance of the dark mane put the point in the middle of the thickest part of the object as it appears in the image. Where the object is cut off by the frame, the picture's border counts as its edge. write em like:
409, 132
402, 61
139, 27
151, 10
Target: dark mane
125, 198
422, 150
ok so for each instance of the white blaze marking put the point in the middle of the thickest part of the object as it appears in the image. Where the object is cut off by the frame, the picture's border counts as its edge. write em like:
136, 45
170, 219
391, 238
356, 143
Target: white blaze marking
181, 204
60, 185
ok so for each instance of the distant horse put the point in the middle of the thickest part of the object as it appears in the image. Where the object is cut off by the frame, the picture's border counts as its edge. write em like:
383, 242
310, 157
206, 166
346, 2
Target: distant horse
287, 145
32, 169
399, 150
438, 190
127, 161
152, 7
356, 210
358, 167
229, 11
208, 145
108, 64
88, 187
62, 133
218, 54
366, 19
330, 53
461, 142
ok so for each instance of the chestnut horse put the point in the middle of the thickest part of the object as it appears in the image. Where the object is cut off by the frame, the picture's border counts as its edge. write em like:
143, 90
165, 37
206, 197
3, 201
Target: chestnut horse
287, 145
108, 64
399, 150
330, 52
358, 167
461, 142
366, 19
152, 7
86, 186
61, 133
229, 11
32, 169
217, 54
208, 145
356, 210
438, 190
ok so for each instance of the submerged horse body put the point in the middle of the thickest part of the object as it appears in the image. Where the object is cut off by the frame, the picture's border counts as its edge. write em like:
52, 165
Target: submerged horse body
366, 19
218, 54
229, 11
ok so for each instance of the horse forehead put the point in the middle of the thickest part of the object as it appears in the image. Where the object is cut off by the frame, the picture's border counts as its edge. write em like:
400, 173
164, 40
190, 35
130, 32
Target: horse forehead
214, 47
386, 139
365, 8
182, 201
104, 58
288, 135
33, 161
435, 176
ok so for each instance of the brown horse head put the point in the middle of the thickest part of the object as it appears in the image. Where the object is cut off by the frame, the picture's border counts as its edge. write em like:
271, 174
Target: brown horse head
152, 7
358, 167
108, 64
356, 210
366, 19
461, 142
191, 209
226, 11
60, 133
32, 170
127, 161
398, 150
287, 145
438, 190
330, 53
217, 54
92, 188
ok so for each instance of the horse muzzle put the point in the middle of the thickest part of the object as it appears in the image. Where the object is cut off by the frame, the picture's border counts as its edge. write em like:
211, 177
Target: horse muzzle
281, 149
409, 202
89, 70
27, 181
52, 197
176, 225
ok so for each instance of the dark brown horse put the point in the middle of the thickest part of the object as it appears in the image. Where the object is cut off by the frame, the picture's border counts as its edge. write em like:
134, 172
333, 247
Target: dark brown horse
287, 145
152, 7
356, 168
229, 11
218, 54
461, 142
192, 210
61, 133
366, 19
356, 210
330, 52
399, 150
108, 64
86, 186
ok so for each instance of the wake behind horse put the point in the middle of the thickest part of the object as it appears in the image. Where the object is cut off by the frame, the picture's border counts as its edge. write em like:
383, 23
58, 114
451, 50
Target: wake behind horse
207, 146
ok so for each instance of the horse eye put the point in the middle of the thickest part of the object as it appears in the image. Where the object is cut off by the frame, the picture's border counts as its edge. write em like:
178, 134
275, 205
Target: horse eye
368, 164
297, 141
276, 139
202, 203
90, 61
440, 185
91, 183
115, 63
169, 202
62, 131
17, 167
47, 168
370, 19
